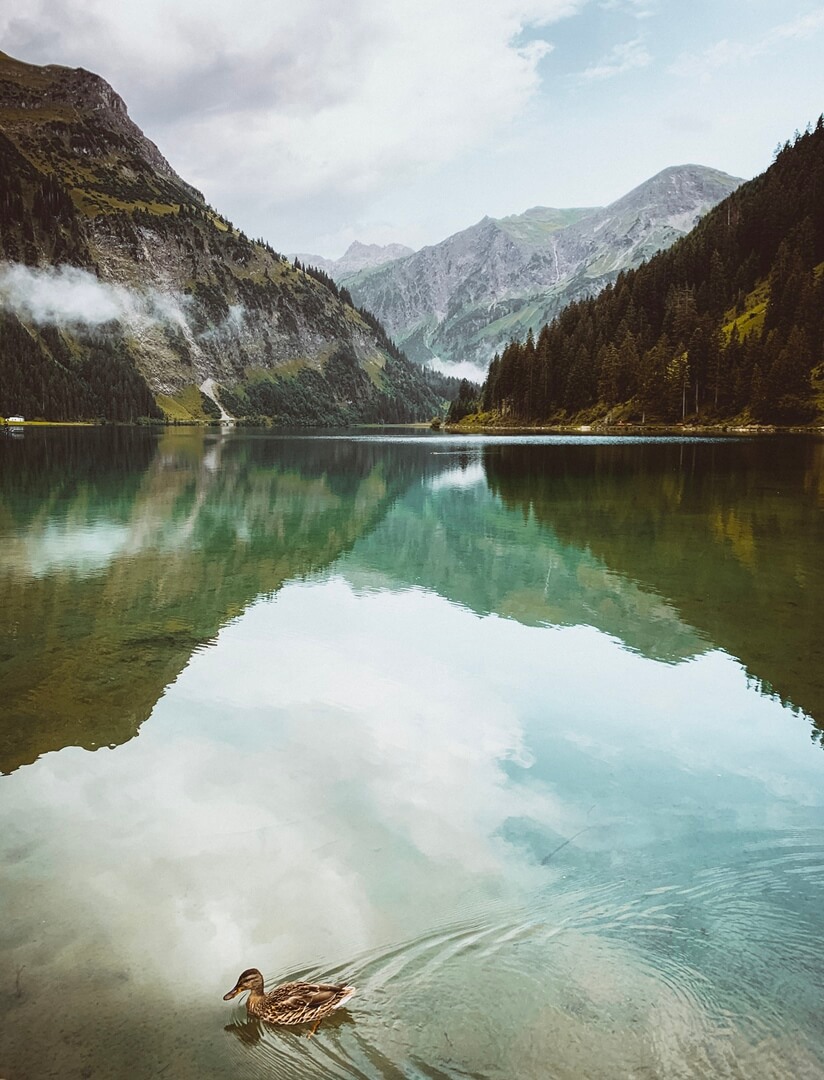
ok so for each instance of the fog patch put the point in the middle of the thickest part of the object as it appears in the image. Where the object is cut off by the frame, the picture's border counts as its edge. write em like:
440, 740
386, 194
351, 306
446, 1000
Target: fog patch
463, 369
69, 296
230, 327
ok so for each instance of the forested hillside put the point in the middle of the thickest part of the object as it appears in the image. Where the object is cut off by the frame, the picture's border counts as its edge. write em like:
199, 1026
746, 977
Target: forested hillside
729, 322
123, 294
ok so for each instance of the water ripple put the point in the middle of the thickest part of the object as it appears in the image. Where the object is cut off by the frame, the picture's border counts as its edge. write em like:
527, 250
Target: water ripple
710, 978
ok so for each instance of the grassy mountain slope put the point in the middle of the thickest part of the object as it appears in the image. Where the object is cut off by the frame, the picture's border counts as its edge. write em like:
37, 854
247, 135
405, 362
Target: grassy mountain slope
729, 322
121, 288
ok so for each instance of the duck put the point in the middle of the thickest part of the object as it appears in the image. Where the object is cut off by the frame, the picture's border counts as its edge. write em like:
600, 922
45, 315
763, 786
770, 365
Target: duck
291, 1002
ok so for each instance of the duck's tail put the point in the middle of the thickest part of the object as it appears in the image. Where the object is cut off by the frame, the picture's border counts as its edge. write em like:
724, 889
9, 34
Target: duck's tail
348, 991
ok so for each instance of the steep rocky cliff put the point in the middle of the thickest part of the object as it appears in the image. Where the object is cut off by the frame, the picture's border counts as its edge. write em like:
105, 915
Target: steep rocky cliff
464, 298
123, 293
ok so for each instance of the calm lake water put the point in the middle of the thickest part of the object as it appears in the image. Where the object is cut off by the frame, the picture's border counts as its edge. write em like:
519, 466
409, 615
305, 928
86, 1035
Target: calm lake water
521, 736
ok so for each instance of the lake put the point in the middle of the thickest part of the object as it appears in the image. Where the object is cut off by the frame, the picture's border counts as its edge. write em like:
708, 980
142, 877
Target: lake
521, 736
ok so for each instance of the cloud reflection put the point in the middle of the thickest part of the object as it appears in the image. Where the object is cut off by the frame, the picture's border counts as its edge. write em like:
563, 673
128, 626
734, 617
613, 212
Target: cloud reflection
345, 771
339, 771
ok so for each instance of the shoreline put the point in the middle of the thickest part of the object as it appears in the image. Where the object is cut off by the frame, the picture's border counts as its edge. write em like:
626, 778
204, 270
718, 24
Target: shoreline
633, 430
629, 430
51, 423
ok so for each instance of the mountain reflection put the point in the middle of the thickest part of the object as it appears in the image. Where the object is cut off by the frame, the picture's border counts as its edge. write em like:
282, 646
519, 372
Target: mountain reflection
729, 532
455, 536
125, 552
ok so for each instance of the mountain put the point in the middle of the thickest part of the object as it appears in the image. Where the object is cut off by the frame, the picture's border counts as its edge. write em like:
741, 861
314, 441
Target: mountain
357, 257
465, 298
124, 294
727, 323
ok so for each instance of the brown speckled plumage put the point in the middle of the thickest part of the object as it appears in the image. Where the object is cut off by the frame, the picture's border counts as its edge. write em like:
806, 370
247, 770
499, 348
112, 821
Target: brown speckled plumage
290, 1003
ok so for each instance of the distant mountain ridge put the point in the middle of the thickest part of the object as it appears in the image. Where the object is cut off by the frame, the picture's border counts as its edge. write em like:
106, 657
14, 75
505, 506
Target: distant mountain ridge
464, 298
357, 257
124, 294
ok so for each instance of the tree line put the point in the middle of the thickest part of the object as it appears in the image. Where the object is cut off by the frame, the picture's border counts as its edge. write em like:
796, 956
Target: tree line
729, 322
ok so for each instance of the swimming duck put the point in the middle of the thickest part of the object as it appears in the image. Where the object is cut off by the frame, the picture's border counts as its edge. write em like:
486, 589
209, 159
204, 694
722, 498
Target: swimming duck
289, 1003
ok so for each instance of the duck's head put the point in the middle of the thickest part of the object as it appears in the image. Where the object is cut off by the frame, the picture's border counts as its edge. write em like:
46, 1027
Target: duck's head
250, 979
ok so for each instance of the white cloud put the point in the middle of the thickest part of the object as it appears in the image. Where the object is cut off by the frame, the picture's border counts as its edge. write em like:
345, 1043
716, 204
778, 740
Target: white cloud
347, 780
229, 328
303, 98
640, 9
470, 476
626, 56
725, 54
464, 369
69, 295
320, 123
354, 747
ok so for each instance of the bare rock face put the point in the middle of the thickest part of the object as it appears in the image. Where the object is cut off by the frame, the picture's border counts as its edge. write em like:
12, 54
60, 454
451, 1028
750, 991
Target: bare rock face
464, 298
139, 272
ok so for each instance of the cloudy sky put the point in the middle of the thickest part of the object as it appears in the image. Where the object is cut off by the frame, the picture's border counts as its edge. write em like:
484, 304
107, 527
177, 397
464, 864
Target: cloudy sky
316, 122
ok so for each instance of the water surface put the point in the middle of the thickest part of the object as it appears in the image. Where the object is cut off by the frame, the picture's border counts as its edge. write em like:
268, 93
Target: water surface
520, 736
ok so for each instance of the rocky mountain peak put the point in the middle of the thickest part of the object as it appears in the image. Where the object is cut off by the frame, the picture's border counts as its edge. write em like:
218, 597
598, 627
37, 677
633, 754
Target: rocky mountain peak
357, 257
678, 186
27, 86
59, 114
88, 90
463, 299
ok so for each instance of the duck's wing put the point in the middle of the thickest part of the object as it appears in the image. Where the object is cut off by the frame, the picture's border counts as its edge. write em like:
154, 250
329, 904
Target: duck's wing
308, 995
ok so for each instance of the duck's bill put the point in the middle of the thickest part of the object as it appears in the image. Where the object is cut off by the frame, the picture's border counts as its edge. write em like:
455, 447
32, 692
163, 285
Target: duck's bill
232, 993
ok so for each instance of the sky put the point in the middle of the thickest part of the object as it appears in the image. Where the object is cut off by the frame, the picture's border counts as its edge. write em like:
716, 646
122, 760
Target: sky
313, 123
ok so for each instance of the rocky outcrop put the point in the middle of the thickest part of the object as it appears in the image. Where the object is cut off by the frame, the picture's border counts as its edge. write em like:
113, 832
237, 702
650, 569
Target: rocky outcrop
464, 298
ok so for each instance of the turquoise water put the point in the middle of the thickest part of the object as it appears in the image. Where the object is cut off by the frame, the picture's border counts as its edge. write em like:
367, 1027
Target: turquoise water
522, 737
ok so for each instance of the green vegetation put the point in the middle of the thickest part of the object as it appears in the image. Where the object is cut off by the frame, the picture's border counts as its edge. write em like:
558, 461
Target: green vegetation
80, 186
91, 376
535, 225
465, 403
190, 405
751, 319
340, 393
728, 323
729, 532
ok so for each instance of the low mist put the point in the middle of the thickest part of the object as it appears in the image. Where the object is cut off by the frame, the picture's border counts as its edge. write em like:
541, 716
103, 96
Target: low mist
69, 296
463, 369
